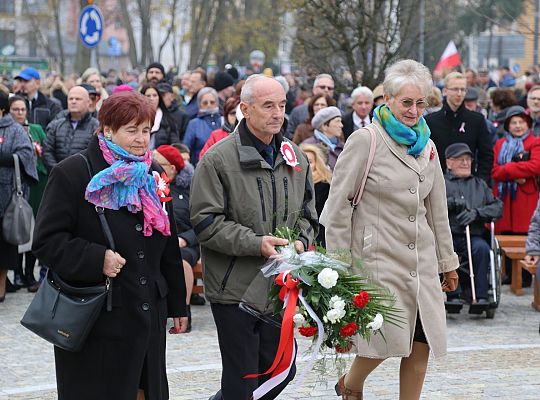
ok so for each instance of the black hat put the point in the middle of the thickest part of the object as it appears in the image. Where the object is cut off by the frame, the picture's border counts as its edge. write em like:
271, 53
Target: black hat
165, 87
222, 80
512, 112
472, 94
456, 150
156, 65
89, 88
232, 71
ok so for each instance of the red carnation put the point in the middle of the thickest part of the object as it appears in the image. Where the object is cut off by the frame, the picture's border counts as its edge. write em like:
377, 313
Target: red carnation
361, 299
345, 349
348, 330
307, 331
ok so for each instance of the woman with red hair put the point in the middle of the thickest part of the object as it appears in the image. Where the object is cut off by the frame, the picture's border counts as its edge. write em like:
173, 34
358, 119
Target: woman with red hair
124, 354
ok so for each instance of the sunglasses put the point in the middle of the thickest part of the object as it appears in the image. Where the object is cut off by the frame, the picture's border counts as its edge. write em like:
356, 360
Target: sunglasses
408, 103
324, 87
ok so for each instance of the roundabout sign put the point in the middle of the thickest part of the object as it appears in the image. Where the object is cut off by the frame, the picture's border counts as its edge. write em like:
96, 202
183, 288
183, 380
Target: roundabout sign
91, 26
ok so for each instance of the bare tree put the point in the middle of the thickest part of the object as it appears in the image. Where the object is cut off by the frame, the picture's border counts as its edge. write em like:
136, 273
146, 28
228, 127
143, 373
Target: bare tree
82, 55
171, 6
58, 31
131, 36
145, 15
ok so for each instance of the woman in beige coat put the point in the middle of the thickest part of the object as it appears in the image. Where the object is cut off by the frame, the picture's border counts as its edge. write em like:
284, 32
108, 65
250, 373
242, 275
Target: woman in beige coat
399, 230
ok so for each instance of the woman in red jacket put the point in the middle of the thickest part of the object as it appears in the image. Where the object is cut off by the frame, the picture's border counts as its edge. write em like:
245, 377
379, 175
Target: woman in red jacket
515, 170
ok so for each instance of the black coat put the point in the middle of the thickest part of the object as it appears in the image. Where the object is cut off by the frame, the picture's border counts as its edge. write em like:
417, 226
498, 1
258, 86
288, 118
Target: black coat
445, 126
348, 124
167, 132
181, 120
42, 111
474, 194
129, 340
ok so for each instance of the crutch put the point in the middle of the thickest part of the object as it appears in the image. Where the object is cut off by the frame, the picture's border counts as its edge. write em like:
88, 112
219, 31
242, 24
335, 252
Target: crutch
492, 255
471, 270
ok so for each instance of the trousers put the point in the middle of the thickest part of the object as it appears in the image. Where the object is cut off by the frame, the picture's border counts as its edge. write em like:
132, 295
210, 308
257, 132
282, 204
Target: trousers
248, 345
480, 253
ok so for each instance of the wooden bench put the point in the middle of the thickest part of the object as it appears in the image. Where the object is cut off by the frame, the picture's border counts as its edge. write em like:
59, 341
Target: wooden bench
533, 270
198, 287
516, 254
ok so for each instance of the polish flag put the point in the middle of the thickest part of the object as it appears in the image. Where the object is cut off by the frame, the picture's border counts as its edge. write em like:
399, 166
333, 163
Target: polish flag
449, 59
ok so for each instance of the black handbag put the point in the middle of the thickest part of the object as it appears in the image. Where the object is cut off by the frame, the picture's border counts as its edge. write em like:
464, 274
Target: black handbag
64, 314
17, 220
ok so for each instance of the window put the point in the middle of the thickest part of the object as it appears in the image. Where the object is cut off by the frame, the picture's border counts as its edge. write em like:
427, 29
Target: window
7, 7
6, 38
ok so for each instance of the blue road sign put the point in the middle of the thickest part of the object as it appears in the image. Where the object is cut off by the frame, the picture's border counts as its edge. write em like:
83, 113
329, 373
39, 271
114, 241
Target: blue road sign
91, 26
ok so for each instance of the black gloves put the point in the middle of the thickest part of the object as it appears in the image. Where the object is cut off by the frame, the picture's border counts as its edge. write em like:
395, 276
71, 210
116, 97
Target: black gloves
456, 204
467, 217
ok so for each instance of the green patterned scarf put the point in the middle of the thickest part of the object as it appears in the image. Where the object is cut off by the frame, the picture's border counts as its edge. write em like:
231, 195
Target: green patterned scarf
415, 138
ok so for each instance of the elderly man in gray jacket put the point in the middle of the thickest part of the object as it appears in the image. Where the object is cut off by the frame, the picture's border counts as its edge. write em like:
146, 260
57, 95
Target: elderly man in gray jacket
244, 188
71, 130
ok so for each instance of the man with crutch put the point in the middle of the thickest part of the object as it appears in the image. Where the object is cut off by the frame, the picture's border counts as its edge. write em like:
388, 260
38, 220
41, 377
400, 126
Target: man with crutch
470, 205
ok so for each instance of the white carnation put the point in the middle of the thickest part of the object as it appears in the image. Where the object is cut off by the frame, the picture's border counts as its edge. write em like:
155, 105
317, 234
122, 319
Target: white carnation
327, 278
333, 316
299, 319
376, 323
339, 305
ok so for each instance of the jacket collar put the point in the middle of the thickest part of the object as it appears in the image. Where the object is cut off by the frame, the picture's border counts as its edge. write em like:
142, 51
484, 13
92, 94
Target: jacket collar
248, 154
417, 164
451, 113
451, 177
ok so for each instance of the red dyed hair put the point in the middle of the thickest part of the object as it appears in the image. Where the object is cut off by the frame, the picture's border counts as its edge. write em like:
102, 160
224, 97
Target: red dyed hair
122, 108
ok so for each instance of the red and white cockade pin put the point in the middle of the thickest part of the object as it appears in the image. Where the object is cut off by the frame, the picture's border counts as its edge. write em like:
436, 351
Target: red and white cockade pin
289, 155
163, 189
432, 153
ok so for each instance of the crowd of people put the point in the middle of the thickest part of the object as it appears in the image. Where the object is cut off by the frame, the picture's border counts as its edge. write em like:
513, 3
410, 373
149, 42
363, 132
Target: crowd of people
213, 147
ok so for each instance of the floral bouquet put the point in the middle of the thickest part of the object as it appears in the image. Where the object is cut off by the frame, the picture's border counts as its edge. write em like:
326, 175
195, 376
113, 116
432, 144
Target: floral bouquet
321, 297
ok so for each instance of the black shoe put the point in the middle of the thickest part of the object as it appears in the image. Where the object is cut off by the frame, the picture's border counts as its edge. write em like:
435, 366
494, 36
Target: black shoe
197, 300
217, 396
10, 288
188, 329
33, 288
18, 281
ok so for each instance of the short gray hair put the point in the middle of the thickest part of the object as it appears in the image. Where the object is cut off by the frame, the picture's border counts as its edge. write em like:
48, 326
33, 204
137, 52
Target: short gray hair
283, 82
247, 95
322, 76
206, 90
362, 91
407, 72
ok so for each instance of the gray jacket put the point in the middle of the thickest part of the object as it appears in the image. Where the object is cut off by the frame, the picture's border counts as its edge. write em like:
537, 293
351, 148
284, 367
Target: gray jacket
532, 246
63, 141
236, 198
14, 140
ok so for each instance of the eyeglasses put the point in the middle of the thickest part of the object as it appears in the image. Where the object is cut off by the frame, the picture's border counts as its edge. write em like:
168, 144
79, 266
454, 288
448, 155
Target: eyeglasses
534, 98
208, 102
457, 89
408, 103
17, 110
462, 159
324, 87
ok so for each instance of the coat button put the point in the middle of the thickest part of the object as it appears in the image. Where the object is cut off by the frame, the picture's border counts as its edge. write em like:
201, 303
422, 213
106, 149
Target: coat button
145, 306
412, 190
138, 227
413, 274
143, 280
412, 218
411, 246
422, 178
140, 254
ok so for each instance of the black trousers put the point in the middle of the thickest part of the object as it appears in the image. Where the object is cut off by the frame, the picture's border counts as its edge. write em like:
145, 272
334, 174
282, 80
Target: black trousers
248, 345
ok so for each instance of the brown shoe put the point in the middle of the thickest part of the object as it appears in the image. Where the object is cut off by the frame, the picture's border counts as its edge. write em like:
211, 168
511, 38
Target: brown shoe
347, 394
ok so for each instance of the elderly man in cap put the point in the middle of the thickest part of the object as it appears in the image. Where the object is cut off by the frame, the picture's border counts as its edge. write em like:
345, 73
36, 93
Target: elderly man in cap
41, 109
93, 94
328, 133
470, 203
170, 100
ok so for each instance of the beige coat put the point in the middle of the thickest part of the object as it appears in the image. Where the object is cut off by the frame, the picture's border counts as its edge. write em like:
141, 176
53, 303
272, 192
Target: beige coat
400, 231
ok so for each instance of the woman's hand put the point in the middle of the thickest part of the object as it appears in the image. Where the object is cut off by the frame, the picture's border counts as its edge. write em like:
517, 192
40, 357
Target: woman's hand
531, 260
182, 242
113, 263
450, 281
299, 246
521, 181
180, 325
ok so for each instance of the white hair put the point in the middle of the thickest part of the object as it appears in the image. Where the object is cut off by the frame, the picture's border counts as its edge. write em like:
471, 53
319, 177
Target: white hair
362, 91
247, 94
283, 82
206, 90
407, 72
322, 76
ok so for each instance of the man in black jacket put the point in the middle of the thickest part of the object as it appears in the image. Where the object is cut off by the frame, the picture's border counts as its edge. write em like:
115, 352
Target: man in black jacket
72, 130
169, 99
455, 124
362, 105
41, 109
470, 203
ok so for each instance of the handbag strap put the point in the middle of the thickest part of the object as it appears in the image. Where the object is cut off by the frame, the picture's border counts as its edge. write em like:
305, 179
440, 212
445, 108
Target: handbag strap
106, 231
17, 175
371, 156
